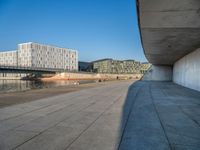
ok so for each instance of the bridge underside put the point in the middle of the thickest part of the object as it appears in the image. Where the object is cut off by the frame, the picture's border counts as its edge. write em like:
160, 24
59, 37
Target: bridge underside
9, 70
170, 33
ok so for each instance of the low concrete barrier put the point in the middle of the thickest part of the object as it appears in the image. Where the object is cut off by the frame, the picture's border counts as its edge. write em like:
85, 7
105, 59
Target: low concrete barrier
92, 76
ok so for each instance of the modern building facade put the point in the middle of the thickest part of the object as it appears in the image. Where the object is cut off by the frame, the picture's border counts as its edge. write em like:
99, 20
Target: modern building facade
116, 66
36, 55
144, 67
8, 58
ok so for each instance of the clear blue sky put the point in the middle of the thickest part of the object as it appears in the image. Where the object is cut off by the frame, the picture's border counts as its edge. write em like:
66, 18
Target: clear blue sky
96, 28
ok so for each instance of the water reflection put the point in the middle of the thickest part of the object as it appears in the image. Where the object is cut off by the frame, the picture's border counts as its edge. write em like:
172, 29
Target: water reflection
22, 85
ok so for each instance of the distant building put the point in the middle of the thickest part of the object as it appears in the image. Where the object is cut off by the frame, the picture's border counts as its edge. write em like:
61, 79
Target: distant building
36, 55
8, 58
131, 66
144, 67
116, 66
85, 66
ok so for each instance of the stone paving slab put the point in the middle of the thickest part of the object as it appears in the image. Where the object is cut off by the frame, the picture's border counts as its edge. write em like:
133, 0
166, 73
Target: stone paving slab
116, 116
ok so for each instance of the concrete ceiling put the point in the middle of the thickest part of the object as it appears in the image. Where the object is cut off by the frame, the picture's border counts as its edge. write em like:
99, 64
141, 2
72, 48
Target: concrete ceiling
170, 29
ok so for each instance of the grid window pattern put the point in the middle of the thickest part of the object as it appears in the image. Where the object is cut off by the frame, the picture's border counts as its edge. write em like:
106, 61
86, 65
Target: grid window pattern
41, 56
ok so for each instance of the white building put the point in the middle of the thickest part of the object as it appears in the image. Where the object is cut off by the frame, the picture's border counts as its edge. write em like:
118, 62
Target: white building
8, 58
36, 55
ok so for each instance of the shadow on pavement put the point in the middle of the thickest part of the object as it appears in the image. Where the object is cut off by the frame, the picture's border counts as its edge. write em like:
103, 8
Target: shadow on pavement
160, 116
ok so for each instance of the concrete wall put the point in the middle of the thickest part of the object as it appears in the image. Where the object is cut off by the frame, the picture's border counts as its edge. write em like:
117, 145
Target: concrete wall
92, 76
158, 73
186, 71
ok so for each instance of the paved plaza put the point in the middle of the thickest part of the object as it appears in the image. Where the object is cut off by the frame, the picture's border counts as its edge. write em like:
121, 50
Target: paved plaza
123, 115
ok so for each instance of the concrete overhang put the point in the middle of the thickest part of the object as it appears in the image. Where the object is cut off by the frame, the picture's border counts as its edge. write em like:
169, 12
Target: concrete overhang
169, 29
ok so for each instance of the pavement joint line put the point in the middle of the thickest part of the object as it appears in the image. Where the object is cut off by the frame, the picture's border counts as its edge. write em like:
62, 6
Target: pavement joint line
41, 117
182, 134
93, 122
178, 106
129, 113
26, 131
25, 113
188, 116
47, 128
32, 110
133, 132
159, 118
57, 111
43, 106
53, 125
60, 109
24, 124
